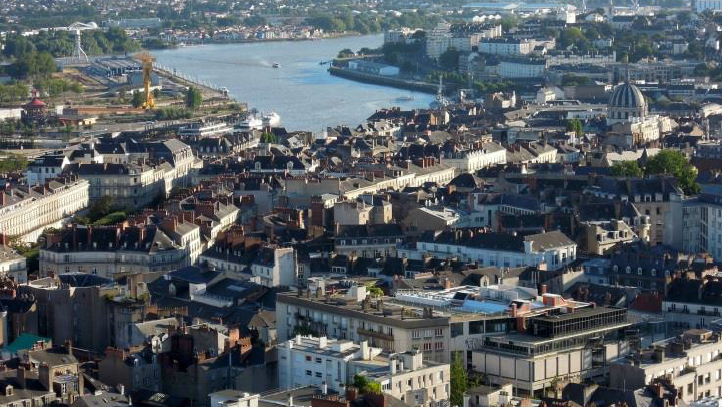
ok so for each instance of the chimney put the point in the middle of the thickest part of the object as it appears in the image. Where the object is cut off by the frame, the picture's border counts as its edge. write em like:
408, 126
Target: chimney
21, 377
351, 393
68, 345
514, 312
543, 289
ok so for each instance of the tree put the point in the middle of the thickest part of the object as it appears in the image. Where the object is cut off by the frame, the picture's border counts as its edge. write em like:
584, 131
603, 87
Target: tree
268, 137
673, 162
138, 99
576, 126
449, 60
574, 80
156, 93
344, 53
627, 169
194, 98
101, 207
374, 291
459, 381
255, 21
364, 385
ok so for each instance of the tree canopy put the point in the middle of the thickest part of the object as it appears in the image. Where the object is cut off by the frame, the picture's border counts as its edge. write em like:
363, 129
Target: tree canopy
365, 385
576, 126
673, 162
194, 98
627, 169
459, 381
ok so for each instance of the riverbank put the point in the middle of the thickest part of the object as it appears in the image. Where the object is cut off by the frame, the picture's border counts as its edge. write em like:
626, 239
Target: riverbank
212, 41
300, 90
393, 82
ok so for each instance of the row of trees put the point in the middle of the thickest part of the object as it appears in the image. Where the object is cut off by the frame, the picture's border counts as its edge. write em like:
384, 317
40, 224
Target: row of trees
33, 65
13, 92
366, 23
61, 43
669, 162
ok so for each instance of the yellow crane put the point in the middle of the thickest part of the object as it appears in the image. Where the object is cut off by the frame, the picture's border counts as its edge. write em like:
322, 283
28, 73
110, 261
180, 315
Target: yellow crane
147, 64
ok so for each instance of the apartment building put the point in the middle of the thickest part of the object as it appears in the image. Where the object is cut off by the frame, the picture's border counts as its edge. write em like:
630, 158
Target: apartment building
651, 197
138, 172
552, 250
573, 344
462, 37
319, 362
25, 211
275, 266
412, 380
351, 315
692, 362
505, 46
367, 209
368, 240
134, 371
570, 58
12, 264
475, 157
600, 237
108, 250
332, 364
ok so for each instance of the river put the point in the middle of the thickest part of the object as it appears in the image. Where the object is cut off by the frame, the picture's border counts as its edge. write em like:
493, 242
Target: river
301, 91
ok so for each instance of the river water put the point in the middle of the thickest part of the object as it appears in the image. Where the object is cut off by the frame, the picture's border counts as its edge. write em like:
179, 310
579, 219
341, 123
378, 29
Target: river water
301, 91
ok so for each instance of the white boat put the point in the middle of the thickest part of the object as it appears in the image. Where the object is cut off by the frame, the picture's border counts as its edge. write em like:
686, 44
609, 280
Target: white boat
251, 122
408, 98
276, 65
271, 120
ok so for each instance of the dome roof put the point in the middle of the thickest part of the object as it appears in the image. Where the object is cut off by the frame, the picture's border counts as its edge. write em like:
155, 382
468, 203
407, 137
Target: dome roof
627, 95
34, 103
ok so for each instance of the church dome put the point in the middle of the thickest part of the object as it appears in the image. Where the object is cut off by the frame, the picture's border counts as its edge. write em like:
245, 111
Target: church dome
627, 96
626, 103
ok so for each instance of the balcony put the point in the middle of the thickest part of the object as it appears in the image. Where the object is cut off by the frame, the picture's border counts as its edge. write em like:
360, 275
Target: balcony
374, 334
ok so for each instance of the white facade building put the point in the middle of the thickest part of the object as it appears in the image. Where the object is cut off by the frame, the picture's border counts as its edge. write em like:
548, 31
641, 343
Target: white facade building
474, 159
275, 267
26, 211
311, 361
554, 250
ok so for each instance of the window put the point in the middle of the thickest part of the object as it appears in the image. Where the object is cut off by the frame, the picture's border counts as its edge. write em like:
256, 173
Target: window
416, 334
308, 373
318, 374
439, 345
308, 358
439, 332
427, 346
318, 360
639, 271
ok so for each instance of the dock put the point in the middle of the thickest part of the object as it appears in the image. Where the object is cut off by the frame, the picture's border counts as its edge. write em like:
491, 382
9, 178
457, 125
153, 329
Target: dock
395, 82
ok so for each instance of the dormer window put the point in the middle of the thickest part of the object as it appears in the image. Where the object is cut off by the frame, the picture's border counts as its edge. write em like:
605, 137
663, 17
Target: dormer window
629, 270
258, 165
